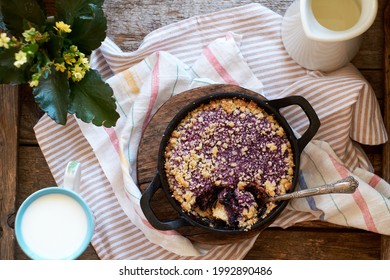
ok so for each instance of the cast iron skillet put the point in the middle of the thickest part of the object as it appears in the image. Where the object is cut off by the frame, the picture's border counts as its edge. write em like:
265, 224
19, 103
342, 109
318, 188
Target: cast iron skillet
272, 107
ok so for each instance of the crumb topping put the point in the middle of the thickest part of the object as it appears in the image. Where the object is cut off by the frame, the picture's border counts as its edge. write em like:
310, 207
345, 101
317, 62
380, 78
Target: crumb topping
223, 157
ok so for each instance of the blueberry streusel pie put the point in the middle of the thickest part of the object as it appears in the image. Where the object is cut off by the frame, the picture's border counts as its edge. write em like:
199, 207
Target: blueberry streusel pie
225, 156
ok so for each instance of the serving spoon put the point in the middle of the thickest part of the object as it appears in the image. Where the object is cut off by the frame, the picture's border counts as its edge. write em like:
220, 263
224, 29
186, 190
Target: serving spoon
346, 185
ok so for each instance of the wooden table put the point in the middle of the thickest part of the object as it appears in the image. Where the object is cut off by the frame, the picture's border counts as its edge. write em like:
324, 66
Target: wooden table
23, 168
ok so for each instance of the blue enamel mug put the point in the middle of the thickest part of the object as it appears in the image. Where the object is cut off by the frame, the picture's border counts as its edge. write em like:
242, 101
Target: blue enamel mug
55, 223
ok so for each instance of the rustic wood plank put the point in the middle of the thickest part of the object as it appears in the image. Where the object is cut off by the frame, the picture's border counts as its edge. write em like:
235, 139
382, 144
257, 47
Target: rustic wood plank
293, 244
370, 57
385, 248
375, 78
8, 166
33, 174
385, 240
29, 115
308, 240
386, 99
128, 23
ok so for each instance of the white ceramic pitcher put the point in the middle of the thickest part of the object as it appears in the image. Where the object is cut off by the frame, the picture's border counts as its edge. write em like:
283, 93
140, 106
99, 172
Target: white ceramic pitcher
326, 34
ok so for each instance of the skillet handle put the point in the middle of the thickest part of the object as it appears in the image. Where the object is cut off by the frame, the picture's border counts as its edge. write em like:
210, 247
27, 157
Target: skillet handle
314, 122
149, 213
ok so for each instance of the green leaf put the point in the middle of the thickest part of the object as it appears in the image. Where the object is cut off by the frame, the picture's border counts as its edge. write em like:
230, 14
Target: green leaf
89, 31
92, 100
31, 49
52, 95
41, 4
9, 74
55, 45
2, 24
68, 10
15, 12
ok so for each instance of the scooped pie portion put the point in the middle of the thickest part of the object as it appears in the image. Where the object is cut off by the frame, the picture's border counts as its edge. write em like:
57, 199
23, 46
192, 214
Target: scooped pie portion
223, 158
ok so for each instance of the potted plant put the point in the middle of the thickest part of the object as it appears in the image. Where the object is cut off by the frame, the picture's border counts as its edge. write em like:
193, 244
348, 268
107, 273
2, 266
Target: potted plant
51, 54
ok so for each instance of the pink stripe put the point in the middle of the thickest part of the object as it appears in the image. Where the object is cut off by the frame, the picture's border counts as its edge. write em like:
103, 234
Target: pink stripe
218, 67
155, 88
113, 138
358, 197
374, 181
343, 172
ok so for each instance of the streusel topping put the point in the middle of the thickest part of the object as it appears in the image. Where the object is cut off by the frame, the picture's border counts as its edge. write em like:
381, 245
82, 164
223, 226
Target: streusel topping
224, 157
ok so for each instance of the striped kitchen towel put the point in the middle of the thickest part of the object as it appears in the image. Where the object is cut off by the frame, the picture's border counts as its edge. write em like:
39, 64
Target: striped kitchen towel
239, 46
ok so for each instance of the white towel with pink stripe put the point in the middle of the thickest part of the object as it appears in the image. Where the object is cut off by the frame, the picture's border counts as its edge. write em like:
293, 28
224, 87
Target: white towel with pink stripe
246, 51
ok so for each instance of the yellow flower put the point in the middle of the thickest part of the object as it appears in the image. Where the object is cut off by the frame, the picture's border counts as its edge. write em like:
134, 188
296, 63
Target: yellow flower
42, 38
73, 49
32, 35
21, 58
62, 27
4, 39
60, 67
69, 58
34, 83
78, 73
29, 35
84, 61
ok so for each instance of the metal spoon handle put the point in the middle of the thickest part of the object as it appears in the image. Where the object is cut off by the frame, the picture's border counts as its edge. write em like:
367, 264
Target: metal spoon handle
346, 185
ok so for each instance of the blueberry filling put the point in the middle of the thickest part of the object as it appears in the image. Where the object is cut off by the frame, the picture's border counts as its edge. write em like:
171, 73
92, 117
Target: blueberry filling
224, 157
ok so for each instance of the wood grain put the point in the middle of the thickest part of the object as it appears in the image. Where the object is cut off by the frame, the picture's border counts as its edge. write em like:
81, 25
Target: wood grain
134, 20
385, 240
9, 110
309, 240
128, 23
315, 244
386, 100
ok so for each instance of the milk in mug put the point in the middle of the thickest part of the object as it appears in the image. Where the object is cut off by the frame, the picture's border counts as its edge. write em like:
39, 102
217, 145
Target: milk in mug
54, 223
54, 226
